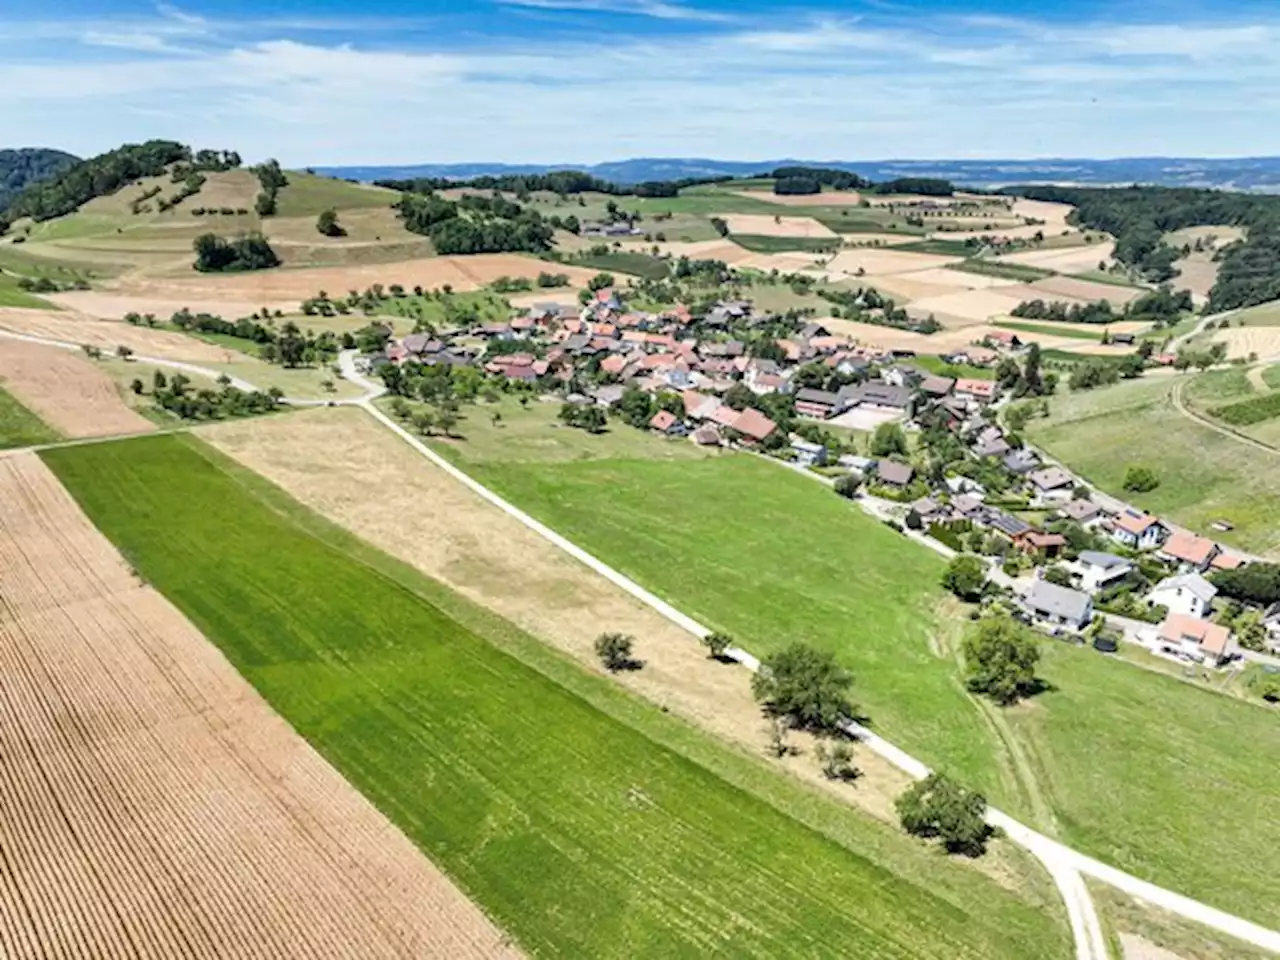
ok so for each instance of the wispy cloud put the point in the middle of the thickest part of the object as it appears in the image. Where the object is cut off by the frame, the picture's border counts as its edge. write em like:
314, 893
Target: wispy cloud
877, 85
657, 9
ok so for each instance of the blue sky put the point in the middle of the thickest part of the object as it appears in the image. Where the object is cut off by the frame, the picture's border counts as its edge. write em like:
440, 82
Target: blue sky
400, 81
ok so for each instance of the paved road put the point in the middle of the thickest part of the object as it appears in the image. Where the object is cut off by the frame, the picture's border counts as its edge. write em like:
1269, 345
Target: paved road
1065, 865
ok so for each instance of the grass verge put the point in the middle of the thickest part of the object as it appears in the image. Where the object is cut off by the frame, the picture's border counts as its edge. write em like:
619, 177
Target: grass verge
19, 427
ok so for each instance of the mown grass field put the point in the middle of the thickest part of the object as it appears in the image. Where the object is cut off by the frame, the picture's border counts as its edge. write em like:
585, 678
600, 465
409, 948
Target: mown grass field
1120, 761
1204, 475
548, 794
1050, 330
1008, 271
758, 244
19, 427
309, 195
940, 366
623, 261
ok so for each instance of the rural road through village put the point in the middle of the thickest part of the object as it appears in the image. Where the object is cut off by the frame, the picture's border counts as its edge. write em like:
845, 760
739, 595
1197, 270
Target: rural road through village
1066, 866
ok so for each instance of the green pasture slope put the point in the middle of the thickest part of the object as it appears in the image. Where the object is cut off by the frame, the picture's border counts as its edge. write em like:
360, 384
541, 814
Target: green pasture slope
19, 427
1118, 761
541, 789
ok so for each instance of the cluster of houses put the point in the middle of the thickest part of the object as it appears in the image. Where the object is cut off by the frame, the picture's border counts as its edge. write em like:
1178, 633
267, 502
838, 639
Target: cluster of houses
594, 352
1185, 594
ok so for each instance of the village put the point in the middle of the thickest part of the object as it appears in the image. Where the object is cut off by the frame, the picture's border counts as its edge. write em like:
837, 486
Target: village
924, 451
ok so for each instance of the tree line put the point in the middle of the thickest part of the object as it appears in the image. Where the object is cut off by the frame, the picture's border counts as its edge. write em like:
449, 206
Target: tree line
176, 396
272, 180
561, 182
104, 174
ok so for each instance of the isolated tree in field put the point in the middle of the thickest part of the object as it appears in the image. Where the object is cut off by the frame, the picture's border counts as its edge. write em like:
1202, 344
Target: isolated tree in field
1139, 479
123, 352
614, 651
137, 387
1000, 657
888, 440
836, 757
327, 223
717, 643
939, 807
966, 577
158, 381
809, 686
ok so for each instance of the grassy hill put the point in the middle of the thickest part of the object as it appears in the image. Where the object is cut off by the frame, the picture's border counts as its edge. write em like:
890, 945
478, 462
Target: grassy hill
309, 195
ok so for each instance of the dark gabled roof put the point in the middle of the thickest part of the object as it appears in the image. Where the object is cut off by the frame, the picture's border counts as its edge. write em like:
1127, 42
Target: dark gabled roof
1007, 524
821, 397
881, 394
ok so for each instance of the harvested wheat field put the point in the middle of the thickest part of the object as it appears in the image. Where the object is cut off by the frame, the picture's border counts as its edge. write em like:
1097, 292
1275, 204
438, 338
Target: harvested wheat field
294, 286
1073, 288
492, 559
782, 262
874, 262
1068, 260
155, 807
962, 278
105, 305
762, 225
725, 250
831, 198
1053, 214
905, 287
108, 334
1198, 273
66, 390
976, 306
1245, 341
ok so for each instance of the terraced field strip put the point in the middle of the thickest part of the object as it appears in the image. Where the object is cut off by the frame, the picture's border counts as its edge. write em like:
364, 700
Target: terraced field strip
154, 806
580, 833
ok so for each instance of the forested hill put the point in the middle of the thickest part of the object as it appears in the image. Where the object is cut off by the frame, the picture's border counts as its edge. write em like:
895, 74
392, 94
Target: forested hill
20, 168
1140, 216
108, 172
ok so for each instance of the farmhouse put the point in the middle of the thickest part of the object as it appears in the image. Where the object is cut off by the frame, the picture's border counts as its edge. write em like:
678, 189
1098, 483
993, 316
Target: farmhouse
1037, 543
1190, 638
753, 425
982, 391
819, 404
876, 396
1059, 606
1187, 593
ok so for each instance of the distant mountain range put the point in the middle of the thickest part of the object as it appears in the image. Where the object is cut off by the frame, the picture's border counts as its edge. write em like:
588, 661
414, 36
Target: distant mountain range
1260, 174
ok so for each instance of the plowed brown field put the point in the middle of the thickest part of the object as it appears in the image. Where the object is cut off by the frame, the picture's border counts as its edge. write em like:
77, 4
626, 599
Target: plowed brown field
66, 391
151, 804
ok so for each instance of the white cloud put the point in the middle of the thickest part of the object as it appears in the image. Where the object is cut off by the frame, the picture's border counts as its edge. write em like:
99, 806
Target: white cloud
658, 9
848, 88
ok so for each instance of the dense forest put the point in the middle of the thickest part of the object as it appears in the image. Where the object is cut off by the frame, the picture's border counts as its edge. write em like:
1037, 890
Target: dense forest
108, 172
475, 224
21, 168
1140, 216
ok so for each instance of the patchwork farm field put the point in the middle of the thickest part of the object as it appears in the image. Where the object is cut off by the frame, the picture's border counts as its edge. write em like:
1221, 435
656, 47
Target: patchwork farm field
572, 828
154, 805
1204, 475
19, 427
772, 557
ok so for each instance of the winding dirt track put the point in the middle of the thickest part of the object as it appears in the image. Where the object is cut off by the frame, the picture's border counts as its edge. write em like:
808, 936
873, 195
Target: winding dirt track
152, 804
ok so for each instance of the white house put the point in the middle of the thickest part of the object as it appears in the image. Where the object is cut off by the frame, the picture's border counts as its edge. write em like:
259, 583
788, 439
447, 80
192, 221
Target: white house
1187, 593
1138, 531
1099, 570
1193, 639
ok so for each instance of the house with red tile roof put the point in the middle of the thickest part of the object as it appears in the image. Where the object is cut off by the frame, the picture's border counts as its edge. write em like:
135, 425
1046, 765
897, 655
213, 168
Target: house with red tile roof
1138, 530
984, 391
665, 423
1192, 639
1188, 551
753, 425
